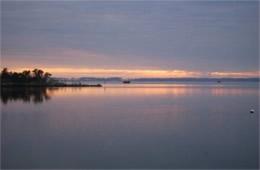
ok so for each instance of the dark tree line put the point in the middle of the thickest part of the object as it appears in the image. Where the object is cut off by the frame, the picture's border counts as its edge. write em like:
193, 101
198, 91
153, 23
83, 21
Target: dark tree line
35, 76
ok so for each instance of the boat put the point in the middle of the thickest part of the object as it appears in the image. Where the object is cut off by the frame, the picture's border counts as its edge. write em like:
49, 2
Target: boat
252, 111
126, 82
219, 81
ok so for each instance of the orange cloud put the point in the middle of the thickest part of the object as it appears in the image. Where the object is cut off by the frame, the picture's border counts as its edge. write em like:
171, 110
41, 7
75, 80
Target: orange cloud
69, 62
137, 73
235, 74
130, 73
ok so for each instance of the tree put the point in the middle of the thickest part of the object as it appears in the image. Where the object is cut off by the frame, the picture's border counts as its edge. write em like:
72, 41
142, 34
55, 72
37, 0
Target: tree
5, 75
47, 77
38, 75
26, 76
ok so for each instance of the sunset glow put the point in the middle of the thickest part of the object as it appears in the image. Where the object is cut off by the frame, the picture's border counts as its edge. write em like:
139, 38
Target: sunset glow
138, 73
129, 84
132, 39
235, 74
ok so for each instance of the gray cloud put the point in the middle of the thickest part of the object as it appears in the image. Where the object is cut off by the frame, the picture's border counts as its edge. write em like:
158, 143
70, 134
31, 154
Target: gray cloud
200, 36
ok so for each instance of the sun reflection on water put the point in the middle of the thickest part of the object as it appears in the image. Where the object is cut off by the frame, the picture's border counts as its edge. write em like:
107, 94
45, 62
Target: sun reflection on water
38, 95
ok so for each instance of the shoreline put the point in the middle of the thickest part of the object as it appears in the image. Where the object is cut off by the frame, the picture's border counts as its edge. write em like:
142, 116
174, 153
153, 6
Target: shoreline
51, 85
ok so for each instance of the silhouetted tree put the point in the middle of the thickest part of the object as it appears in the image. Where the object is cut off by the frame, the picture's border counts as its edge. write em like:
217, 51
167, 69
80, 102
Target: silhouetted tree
5, 75
37, 76
47, 76
26, 76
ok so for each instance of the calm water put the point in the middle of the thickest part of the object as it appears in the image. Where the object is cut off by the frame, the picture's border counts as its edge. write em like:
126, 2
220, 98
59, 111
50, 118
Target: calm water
190, 125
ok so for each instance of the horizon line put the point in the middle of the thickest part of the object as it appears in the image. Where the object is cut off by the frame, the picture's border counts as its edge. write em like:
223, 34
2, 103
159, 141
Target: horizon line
69, 72
160, 78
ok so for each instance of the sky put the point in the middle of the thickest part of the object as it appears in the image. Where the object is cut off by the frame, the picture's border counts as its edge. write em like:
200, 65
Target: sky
132, 38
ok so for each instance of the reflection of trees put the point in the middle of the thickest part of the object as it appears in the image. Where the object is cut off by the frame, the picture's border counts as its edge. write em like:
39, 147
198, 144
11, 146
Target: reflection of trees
36, 95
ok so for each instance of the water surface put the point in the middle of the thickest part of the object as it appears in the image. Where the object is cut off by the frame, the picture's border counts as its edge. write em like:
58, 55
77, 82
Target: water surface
183, 125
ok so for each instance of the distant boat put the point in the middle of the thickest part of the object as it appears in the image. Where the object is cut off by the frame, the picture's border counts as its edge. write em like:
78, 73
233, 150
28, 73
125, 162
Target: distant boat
126, 81
219, 81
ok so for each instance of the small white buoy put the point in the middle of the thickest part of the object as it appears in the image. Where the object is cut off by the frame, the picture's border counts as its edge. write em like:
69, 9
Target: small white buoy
252, 111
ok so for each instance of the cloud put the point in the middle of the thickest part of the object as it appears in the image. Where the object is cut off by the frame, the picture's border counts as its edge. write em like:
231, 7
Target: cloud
136, 73
170, 35
235, 74
70, 57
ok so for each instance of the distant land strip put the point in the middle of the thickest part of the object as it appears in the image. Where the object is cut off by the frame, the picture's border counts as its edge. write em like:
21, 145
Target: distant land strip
119, 79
